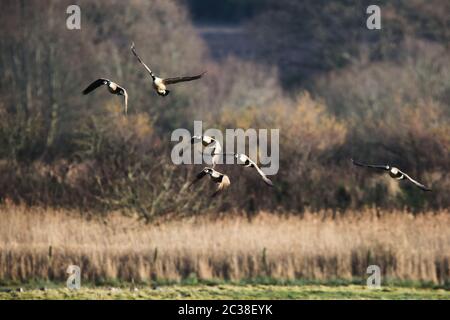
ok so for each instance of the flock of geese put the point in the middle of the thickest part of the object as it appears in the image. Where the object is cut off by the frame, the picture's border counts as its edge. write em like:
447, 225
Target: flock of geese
221, 180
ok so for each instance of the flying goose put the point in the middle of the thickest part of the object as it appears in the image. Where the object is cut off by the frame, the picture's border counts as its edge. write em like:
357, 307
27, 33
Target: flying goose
160, 84
245, 161
209, 142
222, 181
113, 87
394, 172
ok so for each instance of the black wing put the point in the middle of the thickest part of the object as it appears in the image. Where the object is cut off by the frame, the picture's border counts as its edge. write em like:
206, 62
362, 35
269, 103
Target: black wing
125, 94
418, 184
264, 177
199, 176
94, 85
182, 79
261, 173
140, 60
376, 166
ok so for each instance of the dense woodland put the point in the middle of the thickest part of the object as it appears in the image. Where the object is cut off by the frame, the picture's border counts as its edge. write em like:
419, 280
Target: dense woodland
334, 89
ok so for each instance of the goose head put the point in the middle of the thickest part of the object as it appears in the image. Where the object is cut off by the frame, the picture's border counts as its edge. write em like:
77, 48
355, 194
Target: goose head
393, 170
206, 140
240, 157
396, 173
194, 138
164, 92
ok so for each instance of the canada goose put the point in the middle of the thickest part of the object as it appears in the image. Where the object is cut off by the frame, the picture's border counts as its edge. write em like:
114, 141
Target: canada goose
245, 161
222, 181
394, 172
113, 87
210, 142
160, 84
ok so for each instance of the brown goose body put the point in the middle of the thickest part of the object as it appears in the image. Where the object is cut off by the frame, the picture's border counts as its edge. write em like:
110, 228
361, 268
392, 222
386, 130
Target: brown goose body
245, 161
394, 173
113, 88
221, 180
160, 84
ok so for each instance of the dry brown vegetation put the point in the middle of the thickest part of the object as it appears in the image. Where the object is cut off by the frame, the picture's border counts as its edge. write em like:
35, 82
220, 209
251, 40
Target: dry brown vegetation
319, 246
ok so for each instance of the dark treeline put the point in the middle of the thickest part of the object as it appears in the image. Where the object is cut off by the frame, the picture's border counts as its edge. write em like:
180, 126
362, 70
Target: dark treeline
224, 11
306, 38
333, 89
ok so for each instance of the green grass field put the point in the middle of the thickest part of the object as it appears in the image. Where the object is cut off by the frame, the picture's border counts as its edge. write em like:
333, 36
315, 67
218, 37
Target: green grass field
229, 291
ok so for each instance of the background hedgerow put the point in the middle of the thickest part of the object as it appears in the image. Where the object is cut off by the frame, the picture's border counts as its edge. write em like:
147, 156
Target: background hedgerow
334, 89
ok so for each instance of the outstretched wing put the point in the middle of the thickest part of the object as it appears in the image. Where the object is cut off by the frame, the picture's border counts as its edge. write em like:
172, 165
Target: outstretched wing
125, 94
182, 79
199, 176
94, 85
217, 149
214, 145
263, 175
376, 166
196, 139
140, 60
222, 186
418, 184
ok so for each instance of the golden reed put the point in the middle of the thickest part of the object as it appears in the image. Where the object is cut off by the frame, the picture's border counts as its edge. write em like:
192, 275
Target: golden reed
38, 243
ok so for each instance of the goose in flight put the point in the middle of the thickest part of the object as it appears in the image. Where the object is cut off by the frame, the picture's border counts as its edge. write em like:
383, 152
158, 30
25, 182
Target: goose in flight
394, 172
245, 161
209, 142
113, 87
160, 84
221, 180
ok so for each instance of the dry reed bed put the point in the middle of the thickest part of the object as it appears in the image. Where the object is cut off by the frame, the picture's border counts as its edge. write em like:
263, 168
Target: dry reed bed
314, 246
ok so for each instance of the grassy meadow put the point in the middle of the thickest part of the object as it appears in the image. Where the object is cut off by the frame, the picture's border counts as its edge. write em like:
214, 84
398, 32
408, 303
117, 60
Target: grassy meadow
313, 255
228, 291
